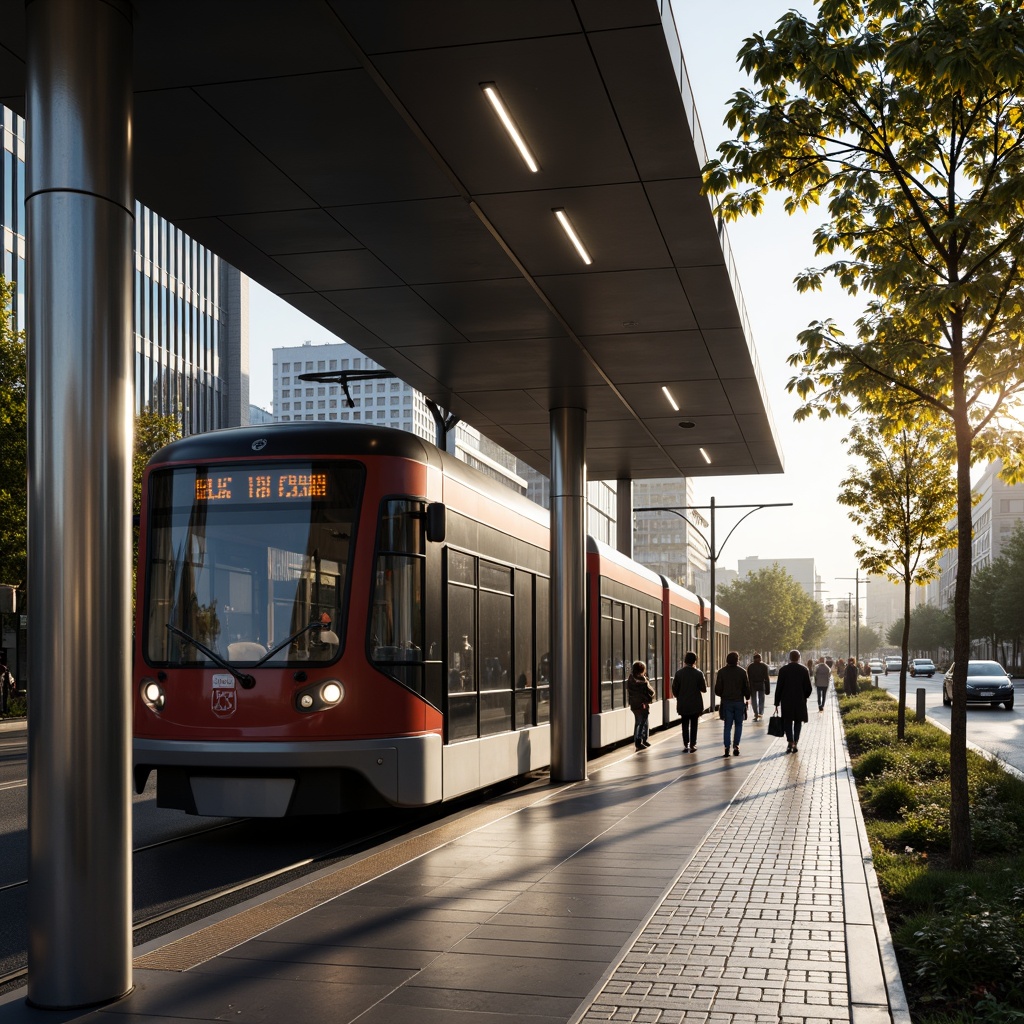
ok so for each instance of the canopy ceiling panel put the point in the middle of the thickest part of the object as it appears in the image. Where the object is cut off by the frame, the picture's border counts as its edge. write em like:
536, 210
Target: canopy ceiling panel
343, 154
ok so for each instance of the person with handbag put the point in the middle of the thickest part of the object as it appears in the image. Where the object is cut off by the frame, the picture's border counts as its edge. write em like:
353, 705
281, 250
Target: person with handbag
792, 688
687, 686
732, 685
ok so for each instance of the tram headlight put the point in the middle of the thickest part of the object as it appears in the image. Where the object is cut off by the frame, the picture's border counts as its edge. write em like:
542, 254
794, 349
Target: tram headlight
331, 692
152, 694
320, 696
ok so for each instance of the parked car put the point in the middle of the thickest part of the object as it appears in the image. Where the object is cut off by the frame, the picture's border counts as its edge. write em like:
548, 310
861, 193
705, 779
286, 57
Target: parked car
922, 667
876, 666
987, 683
893, 663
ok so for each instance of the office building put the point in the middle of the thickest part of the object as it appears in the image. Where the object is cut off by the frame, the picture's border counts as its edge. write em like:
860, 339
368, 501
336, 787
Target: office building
669, 543
191, 308
996, 513
801, 569
385, 402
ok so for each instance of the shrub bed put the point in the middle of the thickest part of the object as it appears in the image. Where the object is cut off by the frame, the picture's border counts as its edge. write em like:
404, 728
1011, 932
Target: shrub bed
959, 936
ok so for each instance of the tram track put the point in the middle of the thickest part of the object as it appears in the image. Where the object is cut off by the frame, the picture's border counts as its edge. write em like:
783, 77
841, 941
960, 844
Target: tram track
188, 910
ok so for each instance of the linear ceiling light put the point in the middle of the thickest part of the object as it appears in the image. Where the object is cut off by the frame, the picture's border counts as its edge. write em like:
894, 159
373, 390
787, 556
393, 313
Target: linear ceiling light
570, 232
707, 458
492, 94
671, 400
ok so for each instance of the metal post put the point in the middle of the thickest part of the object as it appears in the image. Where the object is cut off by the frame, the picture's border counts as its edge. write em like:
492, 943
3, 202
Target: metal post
568, 596
80, 216
921, 692
711, 639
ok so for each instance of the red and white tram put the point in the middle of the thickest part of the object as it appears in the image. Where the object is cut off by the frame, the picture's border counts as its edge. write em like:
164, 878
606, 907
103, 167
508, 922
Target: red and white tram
335, 616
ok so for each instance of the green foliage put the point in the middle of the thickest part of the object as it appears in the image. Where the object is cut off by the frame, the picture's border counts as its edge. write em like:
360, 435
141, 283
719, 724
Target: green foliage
13, 446
902, 119
890, 796
969, 948
909, 474
152, 432
930, 629
959, 936
997, 594
770, 611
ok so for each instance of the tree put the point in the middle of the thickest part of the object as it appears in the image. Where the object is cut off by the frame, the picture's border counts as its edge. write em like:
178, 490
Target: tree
768, 610
997, 597
152, 432
908, 476
13, 446
929, 629
905, 117
815, 626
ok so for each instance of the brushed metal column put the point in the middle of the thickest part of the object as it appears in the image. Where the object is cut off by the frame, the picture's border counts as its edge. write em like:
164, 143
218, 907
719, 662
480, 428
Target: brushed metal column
568, 595
79, 214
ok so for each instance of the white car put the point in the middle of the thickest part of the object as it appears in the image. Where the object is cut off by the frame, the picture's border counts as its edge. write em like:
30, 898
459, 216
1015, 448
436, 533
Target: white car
922, 667
876, 666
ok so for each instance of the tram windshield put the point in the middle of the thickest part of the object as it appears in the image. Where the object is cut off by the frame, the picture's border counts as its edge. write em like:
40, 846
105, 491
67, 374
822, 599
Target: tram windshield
249, 564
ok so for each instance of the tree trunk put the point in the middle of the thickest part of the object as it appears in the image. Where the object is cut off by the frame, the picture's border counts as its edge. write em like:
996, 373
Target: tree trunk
960, 850
901, 714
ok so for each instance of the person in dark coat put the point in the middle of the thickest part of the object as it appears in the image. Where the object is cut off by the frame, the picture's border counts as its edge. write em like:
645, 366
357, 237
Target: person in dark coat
792, 688
732, 685
640, 693
850, 674
757, 676
687, 686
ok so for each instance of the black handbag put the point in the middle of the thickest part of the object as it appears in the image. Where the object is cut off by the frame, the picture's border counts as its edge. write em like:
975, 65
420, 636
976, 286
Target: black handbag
775, 726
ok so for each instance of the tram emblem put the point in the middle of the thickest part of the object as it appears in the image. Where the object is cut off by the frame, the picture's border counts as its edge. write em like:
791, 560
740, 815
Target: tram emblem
224, 697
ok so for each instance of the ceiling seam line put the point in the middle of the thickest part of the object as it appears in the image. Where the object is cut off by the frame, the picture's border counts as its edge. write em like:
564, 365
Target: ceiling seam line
403, 112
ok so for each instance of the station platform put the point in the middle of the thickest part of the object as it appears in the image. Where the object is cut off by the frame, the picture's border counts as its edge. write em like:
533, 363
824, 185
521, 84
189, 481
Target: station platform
668, 887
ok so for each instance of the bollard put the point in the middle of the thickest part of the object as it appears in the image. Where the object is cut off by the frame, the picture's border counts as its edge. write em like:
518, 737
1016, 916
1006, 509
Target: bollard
876, 680
920, 703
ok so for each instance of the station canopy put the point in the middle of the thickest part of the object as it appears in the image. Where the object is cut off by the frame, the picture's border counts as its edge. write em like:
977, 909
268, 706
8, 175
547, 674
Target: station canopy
346, 155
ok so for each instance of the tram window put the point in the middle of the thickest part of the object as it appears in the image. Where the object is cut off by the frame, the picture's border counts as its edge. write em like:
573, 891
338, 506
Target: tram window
543, 634
461, 631
523, 664
461, 716
495, 662
244, 558
396, 613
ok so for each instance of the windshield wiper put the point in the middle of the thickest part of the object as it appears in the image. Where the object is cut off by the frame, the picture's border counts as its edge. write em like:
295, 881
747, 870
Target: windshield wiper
315, 624
246, 681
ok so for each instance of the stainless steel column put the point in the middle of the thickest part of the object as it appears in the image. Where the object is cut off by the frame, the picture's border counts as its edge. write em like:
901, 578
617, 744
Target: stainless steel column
80, 233
568, 596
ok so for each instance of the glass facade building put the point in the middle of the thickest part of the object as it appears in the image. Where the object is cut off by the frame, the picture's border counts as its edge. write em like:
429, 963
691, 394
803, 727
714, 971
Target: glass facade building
190, 317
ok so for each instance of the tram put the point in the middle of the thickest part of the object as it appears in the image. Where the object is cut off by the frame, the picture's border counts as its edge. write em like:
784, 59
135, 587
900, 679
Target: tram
334, 616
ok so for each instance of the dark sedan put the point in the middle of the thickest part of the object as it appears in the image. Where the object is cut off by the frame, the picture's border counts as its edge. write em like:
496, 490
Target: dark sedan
987, 683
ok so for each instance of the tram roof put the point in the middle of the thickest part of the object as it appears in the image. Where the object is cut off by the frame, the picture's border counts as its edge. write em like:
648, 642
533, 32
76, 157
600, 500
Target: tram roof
342, 154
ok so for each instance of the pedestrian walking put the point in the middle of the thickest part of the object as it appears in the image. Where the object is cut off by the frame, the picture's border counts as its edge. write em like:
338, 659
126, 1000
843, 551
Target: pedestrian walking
850, 683
688, 685
757, 676
640, 693
792, 688
732, 685
822, 677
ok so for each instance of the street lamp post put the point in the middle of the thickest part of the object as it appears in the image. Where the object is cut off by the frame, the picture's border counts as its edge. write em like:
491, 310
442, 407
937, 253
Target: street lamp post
713, 551
857, 581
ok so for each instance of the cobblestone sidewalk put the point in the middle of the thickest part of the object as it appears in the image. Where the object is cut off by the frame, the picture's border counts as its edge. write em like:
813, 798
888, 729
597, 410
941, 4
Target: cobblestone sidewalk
762, 923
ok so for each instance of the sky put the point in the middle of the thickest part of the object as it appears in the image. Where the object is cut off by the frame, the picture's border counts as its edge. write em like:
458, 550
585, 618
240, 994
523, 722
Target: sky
770, 250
